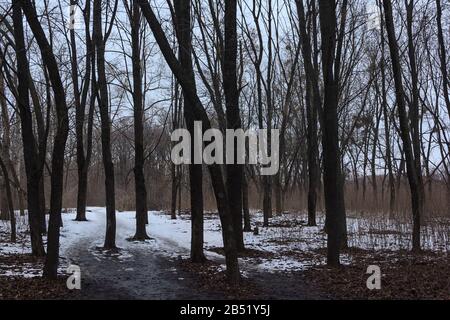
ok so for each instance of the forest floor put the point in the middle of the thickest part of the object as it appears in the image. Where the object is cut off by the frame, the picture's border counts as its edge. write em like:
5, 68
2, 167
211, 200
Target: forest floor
284, 261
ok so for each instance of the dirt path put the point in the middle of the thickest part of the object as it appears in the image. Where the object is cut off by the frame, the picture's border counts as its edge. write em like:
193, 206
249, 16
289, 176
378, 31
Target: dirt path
142, 275
152, 270
138, 271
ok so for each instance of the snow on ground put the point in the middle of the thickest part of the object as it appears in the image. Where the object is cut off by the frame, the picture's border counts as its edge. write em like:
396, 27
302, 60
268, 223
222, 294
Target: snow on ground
287, 245
21, 247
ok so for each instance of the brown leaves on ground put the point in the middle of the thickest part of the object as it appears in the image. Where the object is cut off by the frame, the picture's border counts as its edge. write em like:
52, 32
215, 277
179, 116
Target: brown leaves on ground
20, 288
212, 278
26, 282
404, 276
246, 253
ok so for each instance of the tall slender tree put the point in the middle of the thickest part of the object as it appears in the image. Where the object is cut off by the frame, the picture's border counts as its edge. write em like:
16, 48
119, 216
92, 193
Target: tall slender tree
103, 101
138, 109
80, 100
59, 142
230, 83
183, 25
313, 103
332, 176
411, 169
34, 161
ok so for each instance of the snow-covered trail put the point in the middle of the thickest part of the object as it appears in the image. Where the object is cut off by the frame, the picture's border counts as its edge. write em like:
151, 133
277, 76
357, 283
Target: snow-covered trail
137, 271
149, 270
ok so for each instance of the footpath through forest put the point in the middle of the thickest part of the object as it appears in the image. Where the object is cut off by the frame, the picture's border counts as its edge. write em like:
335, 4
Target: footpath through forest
159, 268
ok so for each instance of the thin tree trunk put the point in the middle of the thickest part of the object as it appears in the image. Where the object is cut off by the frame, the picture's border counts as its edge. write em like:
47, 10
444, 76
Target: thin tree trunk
42, 206
83, 156
247, 223
386, 121
59, 143
9, 204
313, 102
443, 55
102, 86
174, 189
183, 13
33, 165
414, 113
404, 125
139, 179
5, 147
278, 195
230, 82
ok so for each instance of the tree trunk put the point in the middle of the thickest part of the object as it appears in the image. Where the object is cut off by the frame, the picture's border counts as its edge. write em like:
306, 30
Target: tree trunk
278, 195
313, 102
183, 13
230, 81
404, 126
443, 56
42, 206
267, 200
220, 192
59, 143
102, 86
387, 121
4, 209
83, 156
414, 111
174, 189
139, 158
9, 204
33, 165
247, 223
333, 182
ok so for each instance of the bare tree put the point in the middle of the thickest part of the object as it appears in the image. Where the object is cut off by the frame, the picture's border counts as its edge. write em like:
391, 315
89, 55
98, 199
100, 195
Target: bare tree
333, 181
134, 14
103, 101
34, 161
414, 181
59, 143
200, 114
313, 102
183, 26
80, 101
230, 83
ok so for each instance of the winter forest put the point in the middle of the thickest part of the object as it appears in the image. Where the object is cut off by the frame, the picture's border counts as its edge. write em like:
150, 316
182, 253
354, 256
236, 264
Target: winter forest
353, 98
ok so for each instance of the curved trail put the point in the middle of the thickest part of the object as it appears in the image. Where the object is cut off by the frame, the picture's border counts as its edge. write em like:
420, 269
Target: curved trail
150, 270
137, 271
